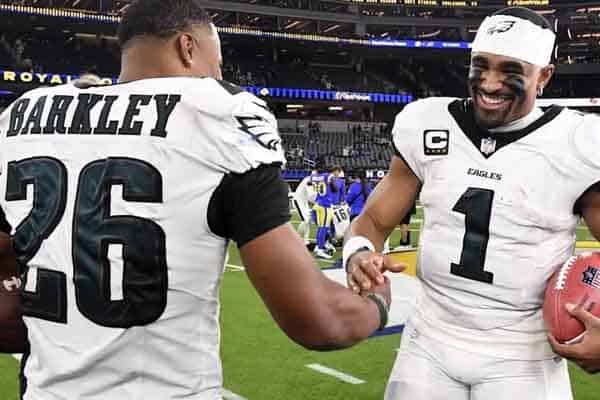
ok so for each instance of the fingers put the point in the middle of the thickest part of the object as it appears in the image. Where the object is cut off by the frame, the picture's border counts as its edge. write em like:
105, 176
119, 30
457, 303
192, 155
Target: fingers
359, 279
352, 283
581, 353
390, 265
372, 268
560, 349
366, 270
587, 318
574, 352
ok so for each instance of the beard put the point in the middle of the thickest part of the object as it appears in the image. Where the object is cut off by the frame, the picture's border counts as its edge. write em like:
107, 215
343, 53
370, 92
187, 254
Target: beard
493, 110
490, 119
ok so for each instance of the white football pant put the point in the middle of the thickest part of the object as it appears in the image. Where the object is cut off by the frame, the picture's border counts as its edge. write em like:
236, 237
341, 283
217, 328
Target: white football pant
426, 369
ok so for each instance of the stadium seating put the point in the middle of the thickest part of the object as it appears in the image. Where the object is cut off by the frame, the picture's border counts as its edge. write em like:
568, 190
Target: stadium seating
358, 147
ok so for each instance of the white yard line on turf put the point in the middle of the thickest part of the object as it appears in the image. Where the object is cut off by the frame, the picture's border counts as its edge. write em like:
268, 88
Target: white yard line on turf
336, 374
227, 395
235, 268
325, 261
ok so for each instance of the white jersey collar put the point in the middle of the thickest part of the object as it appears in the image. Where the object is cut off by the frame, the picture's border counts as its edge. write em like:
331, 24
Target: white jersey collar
520, 123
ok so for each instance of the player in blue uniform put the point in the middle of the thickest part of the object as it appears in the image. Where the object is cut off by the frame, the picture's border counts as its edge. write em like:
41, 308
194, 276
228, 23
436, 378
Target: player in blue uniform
324, 184
337, 197
357, 195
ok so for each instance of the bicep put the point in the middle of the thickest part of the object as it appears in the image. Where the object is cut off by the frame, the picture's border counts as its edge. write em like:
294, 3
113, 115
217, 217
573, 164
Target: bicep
389, 202
392, 199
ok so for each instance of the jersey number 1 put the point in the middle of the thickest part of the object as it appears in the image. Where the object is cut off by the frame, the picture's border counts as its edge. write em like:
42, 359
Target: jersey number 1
476, 205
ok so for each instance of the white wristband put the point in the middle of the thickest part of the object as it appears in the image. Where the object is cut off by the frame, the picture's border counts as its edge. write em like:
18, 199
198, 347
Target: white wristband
354, 244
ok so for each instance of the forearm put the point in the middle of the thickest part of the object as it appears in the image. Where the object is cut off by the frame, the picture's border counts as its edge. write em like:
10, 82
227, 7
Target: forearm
311, 309
346, 320
368, 226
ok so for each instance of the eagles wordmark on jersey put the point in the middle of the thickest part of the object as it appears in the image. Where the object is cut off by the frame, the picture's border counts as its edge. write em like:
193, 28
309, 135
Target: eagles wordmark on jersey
116, 197
498, 221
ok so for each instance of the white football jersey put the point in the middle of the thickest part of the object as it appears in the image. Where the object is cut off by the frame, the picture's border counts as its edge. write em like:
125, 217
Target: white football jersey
341, 219
499, 220
305, 193
107, 191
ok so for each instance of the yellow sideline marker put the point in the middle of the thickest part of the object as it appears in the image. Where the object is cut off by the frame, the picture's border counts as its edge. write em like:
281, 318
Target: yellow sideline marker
587, 244
408, 256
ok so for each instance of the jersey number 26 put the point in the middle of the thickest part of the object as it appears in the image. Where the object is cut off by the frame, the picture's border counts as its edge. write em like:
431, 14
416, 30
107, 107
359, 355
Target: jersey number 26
94, 229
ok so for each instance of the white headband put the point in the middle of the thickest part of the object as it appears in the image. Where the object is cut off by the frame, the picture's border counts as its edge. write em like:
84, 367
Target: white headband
515, 37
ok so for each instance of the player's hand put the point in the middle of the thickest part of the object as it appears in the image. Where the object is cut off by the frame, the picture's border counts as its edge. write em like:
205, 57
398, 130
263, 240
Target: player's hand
383, 289
585, 353
365, 269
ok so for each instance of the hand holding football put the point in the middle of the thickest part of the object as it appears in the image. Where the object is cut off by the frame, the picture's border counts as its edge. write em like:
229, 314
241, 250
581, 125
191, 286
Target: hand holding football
577, 282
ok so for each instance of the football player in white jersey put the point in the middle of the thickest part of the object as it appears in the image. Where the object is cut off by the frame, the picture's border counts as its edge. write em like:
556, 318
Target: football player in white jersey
122, 200
503, 184
303, 197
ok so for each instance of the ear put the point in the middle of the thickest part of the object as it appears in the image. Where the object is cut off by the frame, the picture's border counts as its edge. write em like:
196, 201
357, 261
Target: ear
185, 49
545, 75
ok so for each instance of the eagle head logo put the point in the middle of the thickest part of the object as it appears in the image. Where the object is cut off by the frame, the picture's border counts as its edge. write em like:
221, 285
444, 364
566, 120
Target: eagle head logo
501, 27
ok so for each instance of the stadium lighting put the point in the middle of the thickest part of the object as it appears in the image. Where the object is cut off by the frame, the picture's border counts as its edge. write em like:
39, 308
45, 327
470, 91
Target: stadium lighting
336, 108
291, 25
332, 28
294, 106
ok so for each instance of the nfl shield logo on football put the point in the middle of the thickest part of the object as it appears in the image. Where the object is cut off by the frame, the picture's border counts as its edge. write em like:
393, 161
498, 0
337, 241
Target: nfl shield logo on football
591, 277
488, 146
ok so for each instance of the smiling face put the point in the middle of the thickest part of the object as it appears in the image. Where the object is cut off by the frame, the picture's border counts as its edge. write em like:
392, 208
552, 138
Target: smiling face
504, 89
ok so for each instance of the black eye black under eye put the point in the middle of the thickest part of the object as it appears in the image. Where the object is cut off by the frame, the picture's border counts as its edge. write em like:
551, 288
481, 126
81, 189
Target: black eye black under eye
475, 74
512, 72
479, 66
516, 83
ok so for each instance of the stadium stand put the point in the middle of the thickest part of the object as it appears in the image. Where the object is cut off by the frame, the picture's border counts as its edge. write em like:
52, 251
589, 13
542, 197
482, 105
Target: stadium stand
31, 44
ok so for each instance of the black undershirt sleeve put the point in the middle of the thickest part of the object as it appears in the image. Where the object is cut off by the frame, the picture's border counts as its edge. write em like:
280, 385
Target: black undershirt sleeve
4, 225
245, 206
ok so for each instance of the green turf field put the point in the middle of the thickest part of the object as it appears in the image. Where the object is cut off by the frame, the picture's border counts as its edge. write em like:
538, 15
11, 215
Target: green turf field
260, 363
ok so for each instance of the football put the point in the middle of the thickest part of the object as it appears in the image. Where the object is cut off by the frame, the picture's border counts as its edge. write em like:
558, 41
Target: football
12, 329
577, 282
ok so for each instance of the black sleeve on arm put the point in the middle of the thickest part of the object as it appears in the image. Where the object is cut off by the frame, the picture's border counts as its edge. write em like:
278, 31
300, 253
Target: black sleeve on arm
577, 207
244, 206
4, 225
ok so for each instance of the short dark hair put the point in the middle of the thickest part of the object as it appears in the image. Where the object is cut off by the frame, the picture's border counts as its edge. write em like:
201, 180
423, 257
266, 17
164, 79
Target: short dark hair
160, 18
526, 13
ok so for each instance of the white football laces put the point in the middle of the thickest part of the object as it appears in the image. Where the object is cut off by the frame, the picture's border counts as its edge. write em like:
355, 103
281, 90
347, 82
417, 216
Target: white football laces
561, 281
